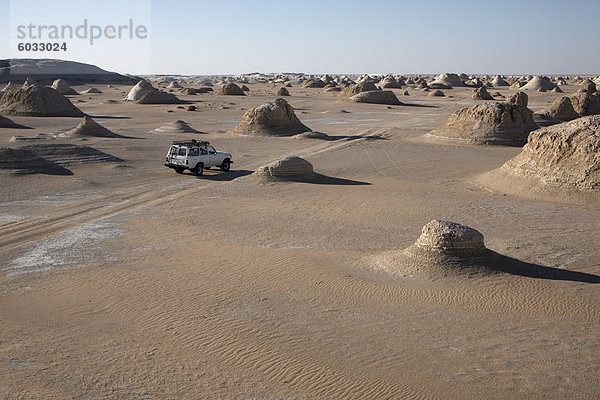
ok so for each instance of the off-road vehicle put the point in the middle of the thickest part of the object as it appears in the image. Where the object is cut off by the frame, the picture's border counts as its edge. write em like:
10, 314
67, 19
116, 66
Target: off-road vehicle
196, 155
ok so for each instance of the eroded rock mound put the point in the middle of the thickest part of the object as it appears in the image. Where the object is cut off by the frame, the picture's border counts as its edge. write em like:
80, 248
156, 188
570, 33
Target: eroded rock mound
38, 101
489, 123
8, 123
539, 82
481, 93
389, 82
499, 81
289, 168
22, 160
139, 90
10, 86
50, 158
63, 87
448, 79
89, 127
519, 98
92, 91
230, 89
436, 93
566, 155
29, 83
178, 126
314, 83
174, 85
376, 97
578, 104
159, 97
443, 249
561, 109
282, 92
450, 238
275, 118
360, 87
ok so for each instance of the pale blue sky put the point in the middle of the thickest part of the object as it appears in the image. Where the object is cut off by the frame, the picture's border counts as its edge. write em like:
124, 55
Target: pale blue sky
427, 36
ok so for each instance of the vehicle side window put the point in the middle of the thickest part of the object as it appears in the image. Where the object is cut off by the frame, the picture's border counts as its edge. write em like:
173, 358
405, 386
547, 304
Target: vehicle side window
193, 151
203, 151
182, 151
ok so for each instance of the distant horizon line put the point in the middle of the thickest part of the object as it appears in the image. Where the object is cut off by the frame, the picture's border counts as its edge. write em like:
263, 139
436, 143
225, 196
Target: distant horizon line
367, 73
311, 73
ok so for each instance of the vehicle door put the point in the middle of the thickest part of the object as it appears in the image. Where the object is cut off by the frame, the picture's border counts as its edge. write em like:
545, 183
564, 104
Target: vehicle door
204, 156
214, 158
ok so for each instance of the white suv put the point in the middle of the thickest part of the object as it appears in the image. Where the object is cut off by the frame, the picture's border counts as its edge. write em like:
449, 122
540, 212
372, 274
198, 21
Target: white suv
196, 155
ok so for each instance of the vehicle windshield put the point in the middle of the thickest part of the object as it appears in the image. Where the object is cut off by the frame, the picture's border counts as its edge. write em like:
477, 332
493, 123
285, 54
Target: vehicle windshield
173, 150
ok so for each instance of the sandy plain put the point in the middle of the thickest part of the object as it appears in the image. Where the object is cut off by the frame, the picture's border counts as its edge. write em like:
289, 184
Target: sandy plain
126, 280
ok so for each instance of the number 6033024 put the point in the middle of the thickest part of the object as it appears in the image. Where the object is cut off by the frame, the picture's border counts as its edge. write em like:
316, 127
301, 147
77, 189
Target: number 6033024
42, 46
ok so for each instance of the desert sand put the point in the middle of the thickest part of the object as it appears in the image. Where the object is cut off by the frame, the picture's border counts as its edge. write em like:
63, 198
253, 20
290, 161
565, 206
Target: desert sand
121, 279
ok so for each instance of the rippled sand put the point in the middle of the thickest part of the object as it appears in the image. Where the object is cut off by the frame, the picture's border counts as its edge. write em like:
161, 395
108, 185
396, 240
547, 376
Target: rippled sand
126, 280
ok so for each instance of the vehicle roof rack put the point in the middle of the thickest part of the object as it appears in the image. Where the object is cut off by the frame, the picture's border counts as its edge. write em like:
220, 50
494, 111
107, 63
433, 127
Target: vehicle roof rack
192, 142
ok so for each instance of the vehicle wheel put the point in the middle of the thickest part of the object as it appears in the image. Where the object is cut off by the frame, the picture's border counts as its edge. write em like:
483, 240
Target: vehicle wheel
199, 169
179, 170
225, 166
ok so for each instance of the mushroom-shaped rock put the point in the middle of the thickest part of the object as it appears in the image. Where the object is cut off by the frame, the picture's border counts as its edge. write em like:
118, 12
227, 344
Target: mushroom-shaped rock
443, 248
230, 89
38, 101
289, 168
519, 98
376, 97
450, 238
275, 118
489, 123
